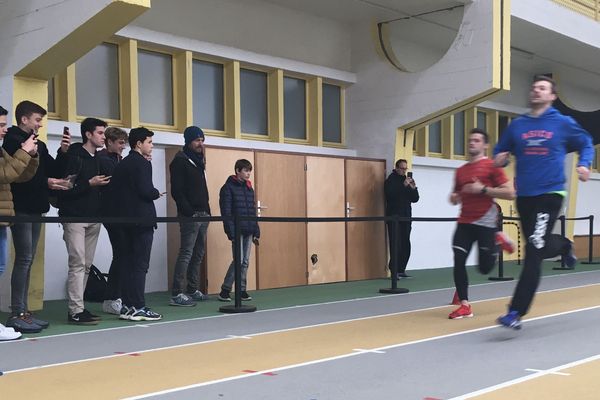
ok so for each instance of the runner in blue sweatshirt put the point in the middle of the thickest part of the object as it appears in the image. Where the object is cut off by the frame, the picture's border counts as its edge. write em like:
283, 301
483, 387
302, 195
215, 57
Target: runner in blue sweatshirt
540, 141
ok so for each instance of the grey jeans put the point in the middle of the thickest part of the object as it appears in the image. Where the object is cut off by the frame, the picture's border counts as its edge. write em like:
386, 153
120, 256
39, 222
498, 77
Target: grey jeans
191, 252
245, 259
25, 238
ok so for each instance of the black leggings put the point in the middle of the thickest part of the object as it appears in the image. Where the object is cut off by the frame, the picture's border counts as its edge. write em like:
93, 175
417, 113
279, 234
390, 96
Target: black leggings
464, 237
538, 215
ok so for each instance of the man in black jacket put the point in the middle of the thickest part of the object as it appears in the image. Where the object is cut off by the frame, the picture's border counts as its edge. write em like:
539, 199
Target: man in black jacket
237, 198
30, 198
132, 194
82, 200
188, 188
400, 192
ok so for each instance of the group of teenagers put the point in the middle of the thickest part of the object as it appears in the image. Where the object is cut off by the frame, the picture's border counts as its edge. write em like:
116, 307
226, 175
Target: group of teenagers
91, 179
539, 141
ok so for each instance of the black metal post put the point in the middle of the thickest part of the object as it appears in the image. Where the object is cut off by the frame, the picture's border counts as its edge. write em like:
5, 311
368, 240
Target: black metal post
591, 243
500, 276
237, 261
394, 256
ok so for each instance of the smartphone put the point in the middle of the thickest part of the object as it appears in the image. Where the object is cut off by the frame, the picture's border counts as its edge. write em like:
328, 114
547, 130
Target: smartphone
409, 174
66, 130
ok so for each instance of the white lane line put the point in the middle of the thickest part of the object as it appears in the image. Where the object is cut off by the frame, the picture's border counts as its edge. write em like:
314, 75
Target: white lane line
526, 378
368, 351
238, 337
543, 370
179, 321
355, 353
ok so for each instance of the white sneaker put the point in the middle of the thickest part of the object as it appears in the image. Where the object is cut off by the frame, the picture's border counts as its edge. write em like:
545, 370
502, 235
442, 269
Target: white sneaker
112, 306
8, 333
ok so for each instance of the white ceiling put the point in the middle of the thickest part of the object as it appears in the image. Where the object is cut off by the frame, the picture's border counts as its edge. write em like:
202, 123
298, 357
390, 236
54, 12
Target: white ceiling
350, 11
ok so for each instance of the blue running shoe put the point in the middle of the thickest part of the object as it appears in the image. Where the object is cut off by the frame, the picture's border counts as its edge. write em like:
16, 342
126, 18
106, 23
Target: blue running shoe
511, 320
570, 260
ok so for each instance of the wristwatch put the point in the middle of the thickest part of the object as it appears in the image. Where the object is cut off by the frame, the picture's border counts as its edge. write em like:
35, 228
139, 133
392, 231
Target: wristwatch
484, 190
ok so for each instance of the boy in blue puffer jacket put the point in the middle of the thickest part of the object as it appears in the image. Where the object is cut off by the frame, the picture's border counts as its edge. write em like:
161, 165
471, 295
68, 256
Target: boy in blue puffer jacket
237, 198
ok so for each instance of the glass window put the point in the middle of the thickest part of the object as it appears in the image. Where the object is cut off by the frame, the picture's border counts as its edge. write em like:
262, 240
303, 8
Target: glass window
482, 120
155, 83
459, 133
435, 137
97, 82
294, 108
332, 115
51, 98
253, 94
208, 95
595, 160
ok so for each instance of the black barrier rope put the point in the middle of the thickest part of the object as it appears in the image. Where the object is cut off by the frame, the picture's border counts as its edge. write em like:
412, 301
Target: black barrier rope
238, 307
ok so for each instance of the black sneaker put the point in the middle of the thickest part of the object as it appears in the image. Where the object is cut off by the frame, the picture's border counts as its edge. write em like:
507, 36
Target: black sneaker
22, 323
246, 296
403, 275
143, 314
93, 317
43, 324
81, 319
224, 295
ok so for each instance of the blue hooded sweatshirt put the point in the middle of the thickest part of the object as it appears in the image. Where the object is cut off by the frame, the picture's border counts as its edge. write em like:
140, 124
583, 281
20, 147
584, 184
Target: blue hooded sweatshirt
540, 145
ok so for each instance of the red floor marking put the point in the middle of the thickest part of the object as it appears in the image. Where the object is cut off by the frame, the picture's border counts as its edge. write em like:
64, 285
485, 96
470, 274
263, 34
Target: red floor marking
129, 354
135, 354
249, 371
431, 398
269, 374
120, 352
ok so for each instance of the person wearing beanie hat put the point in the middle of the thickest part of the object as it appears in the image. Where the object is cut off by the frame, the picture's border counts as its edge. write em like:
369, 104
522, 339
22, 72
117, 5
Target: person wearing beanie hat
189, 190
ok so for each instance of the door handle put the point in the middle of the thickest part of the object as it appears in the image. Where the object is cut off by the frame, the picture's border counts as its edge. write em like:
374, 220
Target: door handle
348, 209
259, 208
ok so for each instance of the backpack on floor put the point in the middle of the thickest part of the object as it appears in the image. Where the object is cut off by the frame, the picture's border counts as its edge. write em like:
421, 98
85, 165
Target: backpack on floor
95, 289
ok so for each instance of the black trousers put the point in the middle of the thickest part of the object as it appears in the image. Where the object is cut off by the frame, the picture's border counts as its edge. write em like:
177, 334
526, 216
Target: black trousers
464, 237
402, 253
538, 215
135, 245
113, 290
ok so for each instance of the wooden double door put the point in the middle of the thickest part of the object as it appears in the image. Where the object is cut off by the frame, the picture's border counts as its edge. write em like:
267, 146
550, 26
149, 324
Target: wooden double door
298, 253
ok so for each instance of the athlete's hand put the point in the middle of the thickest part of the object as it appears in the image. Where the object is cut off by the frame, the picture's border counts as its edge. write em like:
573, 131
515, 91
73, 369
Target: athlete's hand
454, 198
501, 159
584, 173
473, 188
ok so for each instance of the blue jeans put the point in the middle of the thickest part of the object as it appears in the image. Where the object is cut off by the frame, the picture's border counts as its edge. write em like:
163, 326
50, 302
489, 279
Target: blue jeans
191, 252
3, 249
25, 239
245, 258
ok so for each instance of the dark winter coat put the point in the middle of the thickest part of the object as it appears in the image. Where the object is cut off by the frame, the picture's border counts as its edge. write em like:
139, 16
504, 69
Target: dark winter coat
108, 163
398, 198
82, 200
131, 191
31, 197
237, 198
188, 185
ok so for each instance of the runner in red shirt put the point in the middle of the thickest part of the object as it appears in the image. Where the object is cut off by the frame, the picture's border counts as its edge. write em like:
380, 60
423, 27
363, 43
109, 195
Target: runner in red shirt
476, 184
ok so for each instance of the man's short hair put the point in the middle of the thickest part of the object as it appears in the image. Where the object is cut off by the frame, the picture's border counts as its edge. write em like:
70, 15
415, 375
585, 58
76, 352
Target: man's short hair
241, 164
113, 134
400, 161
3, 111
139, 135
26, 108
482, 132
544, 78
89, 125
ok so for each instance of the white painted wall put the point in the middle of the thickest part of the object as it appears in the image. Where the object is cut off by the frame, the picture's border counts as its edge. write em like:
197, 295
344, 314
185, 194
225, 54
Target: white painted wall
255, 26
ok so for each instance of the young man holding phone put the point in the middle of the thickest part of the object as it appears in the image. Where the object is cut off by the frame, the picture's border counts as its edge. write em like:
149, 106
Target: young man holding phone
400, 192
83, 199
30, 198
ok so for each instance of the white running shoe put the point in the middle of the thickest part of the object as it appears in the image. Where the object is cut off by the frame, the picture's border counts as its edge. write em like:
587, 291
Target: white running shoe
8, 333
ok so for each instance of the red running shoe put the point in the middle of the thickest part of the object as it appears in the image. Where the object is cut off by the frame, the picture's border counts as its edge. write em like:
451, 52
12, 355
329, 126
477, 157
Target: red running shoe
461, 312
455, 299
505, 242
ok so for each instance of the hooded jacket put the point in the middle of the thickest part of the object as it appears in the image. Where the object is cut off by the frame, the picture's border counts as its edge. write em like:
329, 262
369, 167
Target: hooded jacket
237, 198
399, 198
540, 145
188, 185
